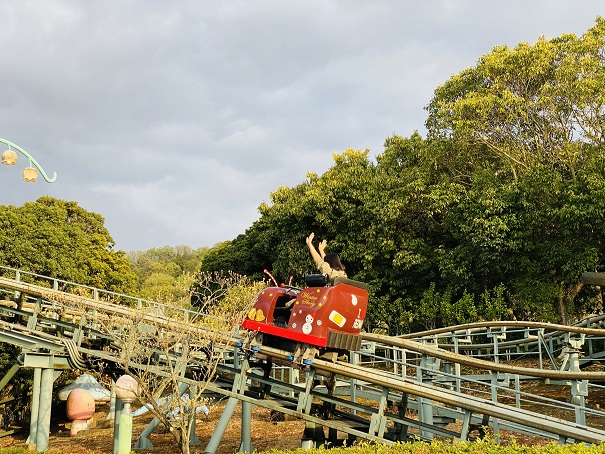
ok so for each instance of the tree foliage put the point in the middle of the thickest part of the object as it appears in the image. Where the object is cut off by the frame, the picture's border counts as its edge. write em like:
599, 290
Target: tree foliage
525, 128
161, 272
60, 239
495, 214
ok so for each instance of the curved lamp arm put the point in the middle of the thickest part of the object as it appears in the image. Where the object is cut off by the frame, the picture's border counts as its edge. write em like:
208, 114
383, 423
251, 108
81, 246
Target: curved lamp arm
31, 159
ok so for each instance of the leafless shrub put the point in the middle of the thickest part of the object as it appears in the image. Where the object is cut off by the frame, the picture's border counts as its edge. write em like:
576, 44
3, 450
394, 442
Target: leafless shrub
171, 347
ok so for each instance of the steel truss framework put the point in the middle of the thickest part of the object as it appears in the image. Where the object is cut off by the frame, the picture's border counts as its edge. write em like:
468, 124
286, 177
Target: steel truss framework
453, 383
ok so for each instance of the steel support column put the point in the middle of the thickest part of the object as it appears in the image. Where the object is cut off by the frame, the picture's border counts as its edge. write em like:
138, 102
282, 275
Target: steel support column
46, 396
35, 405
221, 426
246, 444
193, 438
239, 384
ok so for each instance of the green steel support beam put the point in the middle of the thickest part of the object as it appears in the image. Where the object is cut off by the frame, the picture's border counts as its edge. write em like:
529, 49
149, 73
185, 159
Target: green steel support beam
246, 444
46, 361
13, 370
221, 426
44, 410
33, 420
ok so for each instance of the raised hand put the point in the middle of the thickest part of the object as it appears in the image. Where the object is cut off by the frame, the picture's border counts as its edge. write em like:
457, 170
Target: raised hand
310, 239
322, 247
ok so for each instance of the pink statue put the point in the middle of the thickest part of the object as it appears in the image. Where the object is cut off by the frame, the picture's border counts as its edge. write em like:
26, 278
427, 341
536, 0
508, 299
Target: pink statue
80, 410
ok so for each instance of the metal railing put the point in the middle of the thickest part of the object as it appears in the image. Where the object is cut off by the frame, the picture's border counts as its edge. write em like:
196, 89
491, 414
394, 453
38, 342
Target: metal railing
440, 364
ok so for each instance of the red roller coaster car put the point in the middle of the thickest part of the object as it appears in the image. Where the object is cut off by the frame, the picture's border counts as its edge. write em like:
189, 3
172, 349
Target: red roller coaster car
328, 317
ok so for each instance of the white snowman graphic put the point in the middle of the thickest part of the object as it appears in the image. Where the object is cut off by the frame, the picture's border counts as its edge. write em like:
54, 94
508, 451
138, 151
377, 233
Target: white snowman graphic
308, 327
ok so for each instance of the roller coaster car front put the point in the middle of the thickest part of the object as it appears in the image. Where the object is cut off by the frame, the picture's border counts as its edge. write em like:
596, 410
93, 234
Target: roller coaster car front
324, 316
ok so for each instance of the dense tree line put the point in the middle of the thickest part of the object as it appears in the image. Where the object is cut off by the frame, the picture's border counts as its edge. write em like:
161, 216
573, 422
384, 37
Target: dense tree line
60, 239
165, 273
495, 214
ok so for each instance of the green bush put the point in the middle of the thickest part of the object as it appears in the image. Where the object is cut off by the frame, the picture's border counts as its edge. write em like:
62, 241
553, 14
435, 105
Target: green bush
478, 447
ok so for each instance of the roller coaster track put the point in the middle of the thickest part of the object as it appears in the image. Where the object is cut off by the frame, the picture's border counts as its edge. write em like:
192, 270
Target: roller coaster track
447, 383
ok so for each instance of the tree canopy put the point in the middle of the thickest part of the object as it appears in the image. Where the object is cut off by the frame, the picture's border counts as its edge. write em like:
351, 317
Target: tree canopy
60, 239
495, 214
163, 273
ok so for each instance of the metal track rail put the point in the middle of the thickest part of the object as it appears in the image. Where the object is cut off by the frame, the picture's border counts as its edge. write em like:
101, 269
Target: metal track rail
438, 352
342, 410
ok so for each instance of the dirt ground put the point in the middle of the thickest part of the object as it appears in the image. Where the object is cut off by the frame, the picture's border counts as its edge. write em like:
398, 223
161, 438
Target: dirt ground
266, 434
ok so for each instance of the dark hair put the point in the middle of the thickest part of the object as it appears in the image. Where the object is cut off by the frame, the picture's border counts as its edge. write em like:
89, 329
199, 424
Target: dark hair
333, 260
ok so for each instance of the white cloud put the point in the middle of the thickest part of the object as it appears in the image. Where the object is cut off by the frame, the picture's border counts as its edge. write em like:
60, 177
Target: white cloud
175, 120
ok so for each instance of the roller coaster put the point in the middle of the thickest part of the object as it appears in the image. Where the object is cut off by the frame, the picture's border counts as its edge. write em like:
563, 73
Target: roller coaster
451, 383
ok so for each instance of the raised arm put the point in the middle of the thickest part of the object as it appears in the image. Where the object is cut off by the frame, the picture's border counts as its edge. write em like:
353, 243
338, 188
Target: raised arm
316, 257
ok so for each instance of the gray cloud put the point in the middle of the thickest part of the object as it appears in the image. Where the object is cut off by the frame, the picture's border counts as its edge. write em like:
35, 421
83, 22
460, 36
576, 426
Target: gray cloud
175, 120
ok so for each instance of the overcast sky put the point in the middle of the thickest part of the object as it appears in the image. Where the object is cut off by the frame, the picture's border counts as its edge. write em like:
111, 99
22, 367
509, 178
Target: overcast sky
175, 119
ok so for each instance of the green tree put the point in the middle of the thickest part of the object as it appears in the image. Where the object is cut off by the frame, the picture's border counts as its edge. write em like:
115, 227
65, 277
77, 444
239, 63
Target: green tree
162, 272
519, 131
540, 103
59, 239
495, 214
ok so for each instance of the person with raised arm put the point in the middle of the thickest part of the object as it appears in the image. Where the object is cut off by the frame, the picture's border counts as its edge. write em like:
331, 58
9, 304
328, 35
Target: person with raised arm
329, 264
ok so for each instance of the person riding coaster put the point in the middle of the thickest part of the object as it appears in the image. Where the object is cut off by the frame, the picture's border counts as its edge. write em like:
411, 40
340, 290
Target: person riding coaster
324, 318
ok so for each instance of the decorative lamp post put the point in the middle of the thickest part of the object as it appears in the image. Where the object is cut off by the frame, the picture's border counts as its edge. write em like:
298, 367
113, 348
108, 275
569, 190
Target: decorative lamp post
30, 174
126, 390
